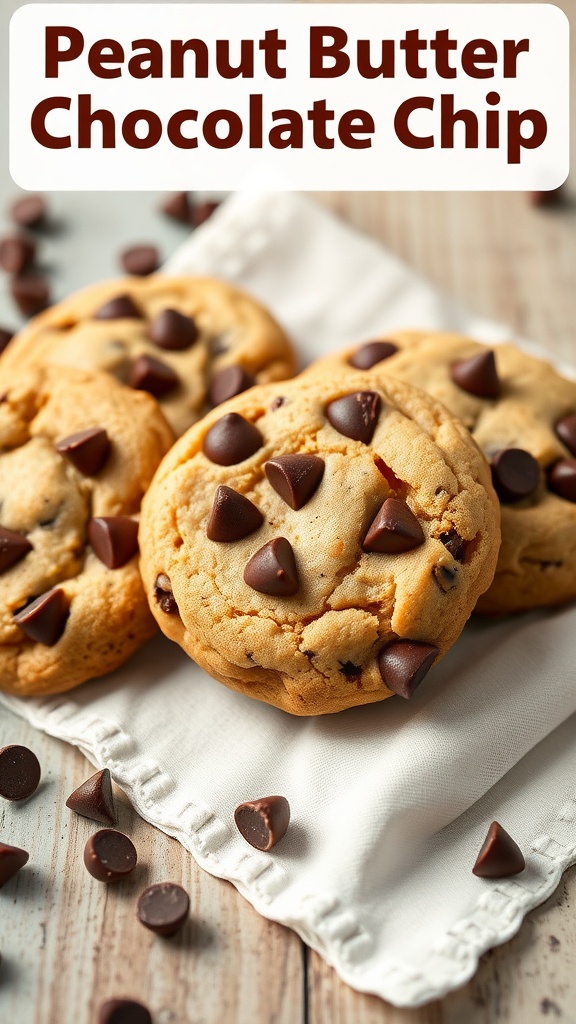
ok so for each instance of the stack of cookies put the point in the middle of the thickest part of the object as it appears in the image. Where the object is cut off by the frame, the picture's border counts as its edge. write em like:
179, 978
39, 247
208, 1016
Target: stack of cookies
316, 544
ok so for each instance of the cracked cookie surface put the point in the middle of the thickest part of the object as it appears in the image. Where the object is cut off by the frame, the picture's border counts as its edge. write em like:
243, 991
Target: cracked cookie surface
317, 545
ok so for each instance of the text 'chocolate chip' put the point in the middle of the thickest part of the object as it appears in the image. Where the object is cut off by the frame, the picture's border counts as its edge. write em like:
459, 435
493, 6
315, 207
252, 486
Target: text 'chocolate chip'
499, 856
371, 353
109, 855
478, 375
19, 772
94, 799
87, 450
515, 474
233, 516
263, 822
272, 570
403, 665
355, 415
163, 908
173, 331
13, 547
232, 439
394, 529
295, 477
44, 619
114, 539
230, 381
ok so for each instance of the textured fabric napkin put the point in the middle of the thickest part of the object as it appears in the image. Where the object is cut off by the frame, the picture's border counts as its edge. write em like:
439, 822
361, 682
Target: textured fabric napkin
391, 801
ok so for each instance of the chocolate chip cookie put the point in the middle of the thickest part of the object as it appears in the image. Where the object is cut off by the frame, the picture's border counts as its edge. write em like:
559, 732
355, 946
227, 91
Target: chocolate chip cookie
190, 342
77, 451
320, 544
522, 413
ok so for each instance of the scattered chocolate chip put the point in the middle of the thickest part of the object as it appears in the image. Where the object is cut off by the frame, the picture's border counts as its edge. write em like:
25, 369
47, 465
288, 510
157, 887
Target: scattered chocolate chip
5, 338
499, 856
371, 353
17, 253
149, 374
94, 799
277, 403
13, 547
31, 294
123, 1011
355, 415
230, 381
444, 577
263, 822
404, 663
177, 206
114, 539
163, 594
455, 544
562, 479
109, 855
140, 260
233, 516
295, 477
217, 345
477, 375
120, 308
173, 331
200, 212
11, 860
272, 570
44, 619
163, 908
350, 671
231, 439
87, 450
19, 772
394, 529
566, 430
515, 474
29, 211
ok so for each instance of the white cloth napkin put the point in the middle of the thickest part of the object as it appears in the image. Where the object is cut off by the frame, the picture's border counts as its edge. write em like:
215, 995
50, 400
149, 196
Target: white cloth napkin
391, 801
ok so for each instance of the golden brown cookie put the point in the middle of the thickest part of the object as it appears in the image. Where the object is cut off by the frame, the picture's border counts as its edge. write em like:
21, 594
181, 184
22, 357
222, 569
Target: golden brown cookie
318, 545
77, 451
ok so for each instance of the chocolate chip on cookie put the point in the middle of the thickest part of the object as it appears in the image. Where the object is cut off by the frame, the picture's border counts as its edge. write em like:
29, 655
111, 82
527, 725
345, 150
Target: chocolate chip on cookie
295, 477
394, 529
562, 479
120, 307
272, 570
355, 415
163, 594
44, 619
477, 375
13, 547
173, 331
152, 375
114, 539
87, 450
233, 380
232, 439
371, 353
566, 431
233, 516
515, 474
403, 665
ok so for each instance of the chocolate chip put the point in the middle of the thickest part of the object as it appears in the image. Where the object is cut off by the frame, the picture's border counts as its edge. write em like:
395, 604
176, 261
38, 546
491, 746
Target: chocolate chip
28, 211
499, 856
404, 663
355, 415
13, 547
277, 403
140, 260
232, 439
371, 353
272, 570
163, 908
163, 594
31, 294
394, 529
17, 253
477, 375
173, 331
566, 430
230, 381
455, 544
44, 619
515, 474
87, 450
350, 671
12, 858
201, 212
149, 374
94, 799
562, 479
123, 1011
120, 308
263, 822
177, 206
109, 855
444, 577
19, 772
295, 477
5, 338
233, 516
114, 539
217, 345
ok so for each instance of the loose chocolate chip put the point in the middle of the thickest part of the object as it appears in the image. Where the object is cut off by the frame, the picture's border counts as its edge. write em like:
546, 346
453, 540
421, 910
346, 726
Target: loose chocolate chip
295, 477
149, 374
355, 415
123, 1011
163, 594
230, 381
13, 547
45, 618
177, 206
31, 294
371, 353
19, 772
232, 439
120, 308
94, 799
263, 822
109, 855
5, 338
114, 539
12, 858
163, 908
140, 260
404, 663
566, 430
477, 375
272, 570
233, 516
87, 450
515, 474
200, 212
173, 331
394, 529
444, 577
499, 856
28, 211
455, 544
562, 479
17, 253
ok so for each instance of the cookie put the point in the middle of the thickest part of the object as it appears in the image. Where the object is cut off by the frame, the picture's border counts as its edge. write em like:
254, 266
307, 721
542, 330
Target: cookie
522, 413
318, 545
77, 451
191, 342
